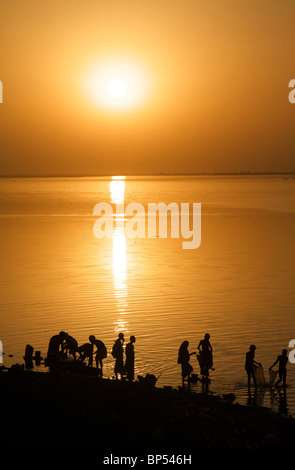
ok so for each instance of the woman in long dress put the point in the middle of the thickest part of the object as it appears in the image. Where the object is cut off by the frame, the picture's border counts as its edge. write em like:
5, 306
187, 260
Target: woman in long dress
183, 359
119, 355
130, 356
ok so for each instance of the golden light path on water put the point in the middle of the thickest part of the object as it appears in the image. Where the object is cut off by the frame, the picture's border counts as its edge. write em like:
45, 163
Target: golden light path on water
117, 193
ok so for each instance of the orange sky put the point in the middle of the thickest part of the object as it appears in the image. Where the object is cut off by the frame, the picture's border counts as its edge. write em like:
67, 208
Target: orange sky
218, 98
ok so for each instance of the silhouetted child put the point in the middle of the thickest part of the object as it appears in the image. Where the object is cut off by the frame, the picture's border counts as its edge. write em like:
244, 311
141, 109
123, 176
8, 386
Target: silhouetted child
206, 355
282, 359
101, 351
251, 364
118, 354
183, 359
130, 356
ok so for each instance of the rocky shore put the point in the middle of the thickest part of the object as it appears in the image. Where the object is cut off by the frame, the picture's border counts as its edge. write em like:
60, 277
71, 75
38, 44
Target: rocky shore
79, 411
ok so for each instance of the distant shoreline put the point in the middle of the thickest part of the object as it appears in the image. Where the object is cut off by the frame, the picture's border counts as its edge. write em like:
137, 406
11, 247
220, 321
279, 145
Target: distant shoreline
241, 173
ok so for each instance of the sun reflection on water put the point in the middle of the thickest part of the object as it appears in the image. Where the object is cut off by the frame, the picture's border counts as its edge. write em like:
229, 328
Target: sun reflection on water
117, 193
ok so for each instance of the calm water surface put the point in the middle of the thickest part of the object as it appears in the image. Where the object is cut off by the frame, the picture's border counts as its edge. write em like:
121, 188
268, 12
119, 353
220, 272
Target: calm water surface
238, 285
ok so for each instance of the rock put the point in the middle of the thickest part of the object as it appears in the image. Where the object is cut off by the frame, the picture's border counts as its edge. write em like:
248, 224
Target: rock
149, 380
16, 369
229, 396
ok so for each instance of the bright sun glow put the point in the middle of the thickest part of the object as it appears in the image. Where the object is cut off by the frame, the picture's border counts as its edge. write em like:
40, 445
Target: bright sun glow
117, 84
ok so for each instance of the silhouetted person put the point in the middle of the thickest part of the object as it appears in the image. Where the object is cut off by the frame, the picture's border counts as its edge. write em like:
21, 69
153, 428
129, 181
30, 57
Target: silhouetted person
70, 346
205, 357
282, 360
55, 343
55, 348
28, 357
118, 354
183, 359
86, 352
130, 356
251, 364
101, 351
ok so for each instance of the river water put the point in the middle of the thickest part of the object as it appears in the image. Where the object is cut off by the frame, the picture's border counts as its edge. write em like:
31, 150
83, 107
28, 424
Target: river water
238, 285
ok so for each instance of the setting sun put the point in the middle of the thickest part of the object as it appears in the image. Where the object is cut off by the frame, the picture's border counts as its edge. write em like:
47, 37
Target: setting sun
117, 85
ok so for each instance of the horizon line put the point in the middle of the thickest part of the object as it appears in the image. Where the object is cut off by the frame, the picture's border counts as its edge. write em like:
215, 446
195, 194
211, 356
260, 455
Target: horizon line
238, 173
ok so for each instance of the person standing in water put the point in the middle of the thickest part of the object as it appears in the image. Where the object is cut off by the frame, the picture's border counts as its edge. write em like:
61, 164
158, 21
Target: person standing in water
206, 355
183, 359
130, 356
282, 359
118, 354
251, 364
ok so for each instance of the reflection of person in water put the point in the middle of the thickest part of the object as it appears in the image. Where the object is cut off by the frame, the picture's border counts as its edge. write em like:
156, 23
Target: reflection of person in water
282, 359
205, 357
183, 359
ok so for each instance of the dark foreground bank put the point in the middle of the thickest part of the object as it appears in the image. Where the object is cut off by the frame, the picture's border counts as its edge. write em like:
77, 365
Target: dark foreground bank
65, 411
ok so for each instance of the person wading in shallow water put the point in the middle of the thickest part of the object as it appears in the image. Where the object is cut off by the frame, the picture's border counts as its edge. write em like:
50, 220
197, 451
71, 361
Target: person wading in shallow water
183, 359
130, 356
251, 364
118, 354
205, 357
282, 359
